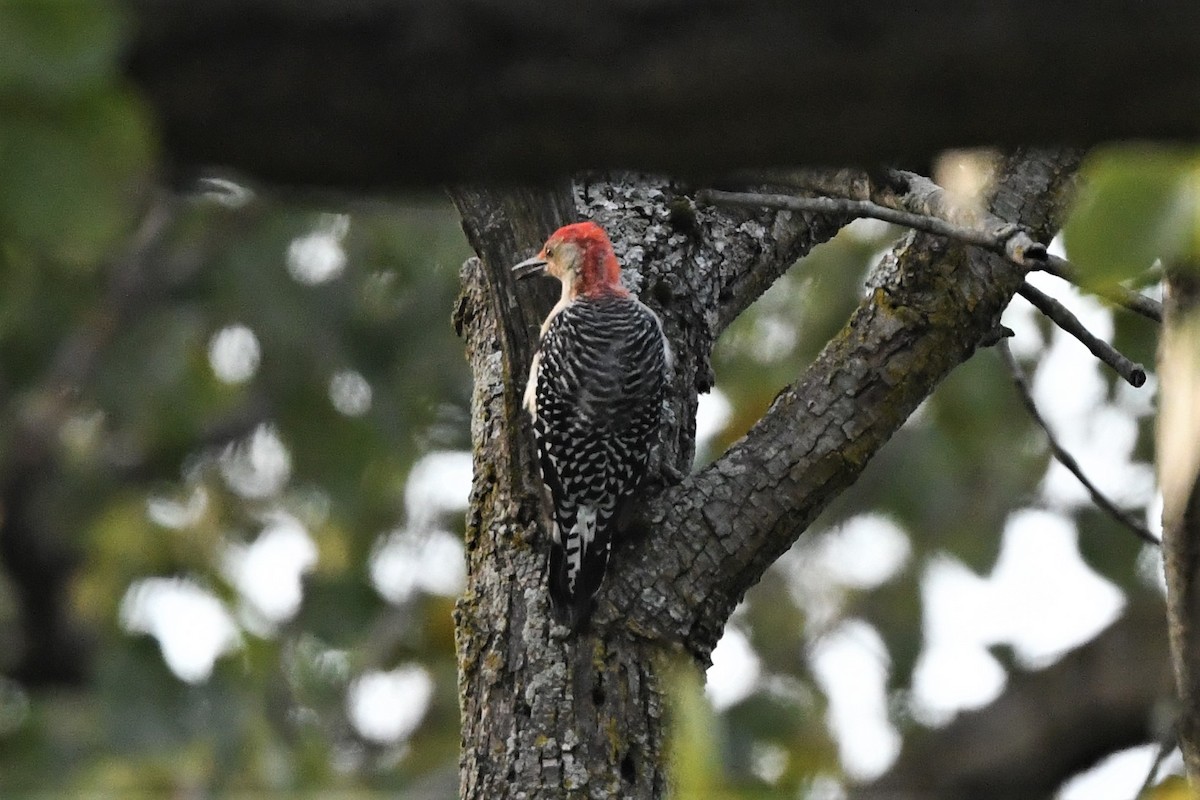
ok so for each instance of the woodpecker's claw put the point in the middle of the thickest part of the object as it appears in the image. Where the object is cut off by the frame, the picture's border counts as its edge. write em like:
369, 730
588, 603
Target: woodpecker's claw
530, 266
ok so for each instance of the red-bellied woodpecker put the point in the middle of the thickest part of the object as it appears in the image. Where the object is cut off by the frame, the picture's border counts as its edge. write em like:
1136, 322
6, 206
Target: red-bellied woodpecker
595, 393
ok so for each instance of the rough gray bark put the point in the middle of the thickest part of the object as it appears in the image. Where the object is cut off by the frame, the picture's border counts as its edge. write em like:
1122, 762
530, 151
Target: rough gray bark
374, 94
1047, 725
583, 717
544, 717
930, 305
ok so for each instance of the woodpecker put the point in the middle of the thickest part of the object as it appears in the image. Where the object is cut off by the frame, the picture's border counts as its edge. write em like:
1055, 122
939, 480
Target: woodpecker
595, 394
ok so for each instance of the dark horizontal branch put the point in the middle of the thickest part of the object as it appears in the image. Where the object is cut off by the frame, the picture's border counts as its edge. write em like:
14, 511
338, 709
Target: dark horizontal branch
1122, 296
1133, 373
380, 94
1064, 457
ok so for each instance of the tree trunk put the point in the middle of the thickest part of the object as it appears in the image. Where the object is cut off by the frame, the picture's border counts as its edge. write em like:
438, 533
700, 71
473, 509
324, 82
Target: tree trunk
579, 717
541, 717
1048, 725
584, 717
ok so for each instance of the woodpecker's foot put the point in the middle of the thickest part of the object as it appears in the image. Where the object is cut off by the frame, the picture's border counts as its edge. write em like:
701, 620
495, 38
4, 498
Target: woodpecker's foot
666, 477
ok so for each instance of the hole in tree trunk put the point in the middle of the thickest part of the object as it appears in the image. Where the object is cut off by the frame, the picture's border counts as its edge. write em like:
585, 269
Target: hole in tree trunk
628, 774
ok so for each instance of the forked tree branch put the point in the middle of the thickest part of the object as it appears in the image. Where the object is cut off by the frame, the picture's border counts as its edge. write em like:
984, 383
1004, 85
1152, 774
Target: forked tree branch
931, 304
923, 205
538, 712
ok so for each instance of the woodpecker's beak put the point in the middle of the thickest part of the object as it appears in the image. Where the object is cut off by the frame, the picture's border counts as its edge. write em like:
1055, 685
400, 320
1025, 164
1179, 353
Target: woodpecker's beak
530, 266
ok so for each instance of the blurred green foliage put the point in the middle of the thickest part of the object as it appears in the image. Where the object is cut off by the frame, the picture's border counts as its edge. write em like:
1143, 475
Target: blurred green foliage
1138, 205
112, 297
74, 143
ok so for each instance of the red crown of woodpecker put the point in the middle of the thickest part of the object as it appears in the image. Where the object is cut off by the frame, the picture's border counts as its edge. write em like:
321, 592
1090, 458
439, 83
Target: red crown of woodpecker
599, 271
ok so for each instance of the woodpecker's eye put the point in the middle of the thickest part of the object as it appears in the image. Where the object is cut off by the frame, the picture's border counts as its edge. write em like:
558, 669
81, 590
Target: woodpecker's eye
549, 252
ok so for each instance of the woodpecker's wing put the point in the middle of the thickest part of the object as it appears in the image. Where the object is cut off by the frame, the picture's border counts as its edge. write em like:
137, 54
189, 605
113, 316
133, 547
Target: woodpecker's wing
600, 384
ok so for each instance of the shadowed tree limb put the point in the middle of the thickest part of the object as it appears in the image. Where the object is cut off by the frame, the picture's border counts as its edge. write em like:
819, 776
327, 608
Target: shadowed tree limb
39, 558
1048, 724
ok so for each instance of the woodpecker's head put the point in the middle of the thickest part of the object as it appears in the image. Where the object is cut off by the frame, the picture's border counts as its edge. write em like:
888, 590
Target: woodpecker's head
580, 256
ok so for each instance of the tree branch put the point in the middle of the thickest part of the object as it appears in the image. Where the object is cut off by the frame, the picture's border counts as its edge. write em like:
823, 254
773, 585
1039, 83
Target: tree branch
1121, 295
1064, 457
1134, 374
932, 303
1007, 240
1047, 725
39, 558
378, 94
1167, 743
919, 199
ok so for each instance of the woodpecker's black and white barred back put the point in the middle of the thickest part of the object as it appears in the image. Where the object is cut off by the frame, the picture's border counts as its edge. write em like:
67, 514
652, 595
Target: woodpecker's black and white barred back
596, 390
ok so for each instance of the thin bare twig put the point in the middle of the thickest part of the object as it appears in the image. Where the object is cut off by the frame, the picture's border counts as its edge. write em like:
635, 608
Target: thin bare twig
1132, 372
1165, 746
1010, 241
1122, 296
935, 217
1065, 458
932, 200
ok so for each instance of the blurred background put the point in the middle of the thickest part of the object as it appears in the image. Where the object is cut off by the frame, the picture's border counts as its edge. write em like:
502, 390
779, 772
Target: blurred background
233, 470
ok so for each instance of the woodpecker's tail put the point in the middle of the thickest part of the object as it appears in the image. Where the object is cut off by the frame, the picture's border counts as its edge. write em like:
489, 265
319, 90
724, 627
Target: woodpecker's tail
577, 564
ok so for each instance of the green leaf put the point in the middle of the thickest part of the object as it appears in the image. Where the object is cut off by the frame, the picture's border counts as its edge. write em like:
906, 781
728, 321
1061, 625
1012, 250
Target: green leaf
692, 744
1137, 205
